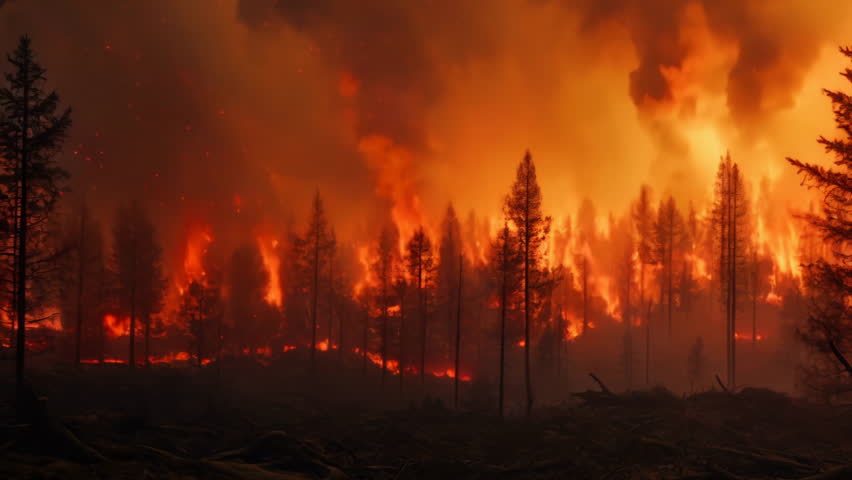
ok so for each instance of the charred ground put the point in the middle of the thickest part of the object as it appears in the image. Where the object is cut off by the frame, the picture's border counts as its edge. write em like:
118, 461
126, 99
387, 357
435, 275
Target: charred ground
247, 420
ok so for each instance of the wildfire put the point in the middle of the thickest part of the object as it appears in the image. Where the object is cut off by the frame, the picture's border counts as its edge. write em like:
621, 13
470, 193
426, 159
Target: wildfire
171, 357
747, 336
573, 326
451, 373
391, 365
116, 327
272, 263
322, 345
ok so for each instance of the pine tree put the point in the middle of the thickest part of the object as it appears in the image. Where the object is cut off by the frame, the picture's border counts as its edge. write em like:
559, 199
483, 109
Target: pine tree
400, 287
523, 209
506, 262
643, 225
137, 265
828, 330
668, 234
315, 250
448, 255
247, 280
728, 222
420, 263
31, 133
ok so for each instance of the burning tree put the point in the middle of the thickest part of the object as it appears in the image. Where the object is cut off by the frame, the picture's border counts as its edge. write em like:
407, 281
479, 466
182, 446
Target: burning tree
728, 223
420, 263
448, 269
668, 234
828, 330
314, 250
506, 262
201, 309
138, 268
643, 215
523, 209
31, 133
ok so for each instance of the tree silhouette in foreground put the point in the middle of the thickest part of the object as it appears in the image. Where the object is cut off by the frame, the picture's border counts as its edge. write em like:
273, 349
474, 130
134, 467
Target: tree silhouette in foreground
420, 263
828, 330
31, 133
523, 209
668, 234
315, 249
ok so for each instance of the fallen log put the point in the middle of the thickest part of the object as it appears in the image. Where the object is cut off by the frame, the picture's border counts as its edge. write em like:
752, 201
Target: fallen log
719, 380
601, 384
840, 357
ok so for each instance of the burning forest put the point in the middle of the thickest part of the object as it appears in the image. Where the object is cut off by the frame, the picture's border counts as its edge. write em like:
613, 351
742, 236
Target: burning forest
288, 239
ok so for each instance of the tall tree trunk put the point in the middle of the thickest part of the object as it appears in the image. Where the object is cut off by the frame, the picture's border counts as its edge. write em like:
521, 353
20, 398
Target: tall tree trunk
628, 342
133, 280
315, 302
734, 282
458, 337
147, 340
671, 270
503, 298
421, 307
401, 342
754, 302
647, 321
132, 360
585, 295
648, 343
330, 303
80, 267
340, 347
21, 287
527, 259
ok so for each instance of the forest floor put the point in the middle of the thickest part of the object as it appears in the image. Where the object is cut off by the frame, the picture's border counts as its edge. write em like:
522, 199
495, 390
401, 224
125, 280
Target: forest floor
254, 422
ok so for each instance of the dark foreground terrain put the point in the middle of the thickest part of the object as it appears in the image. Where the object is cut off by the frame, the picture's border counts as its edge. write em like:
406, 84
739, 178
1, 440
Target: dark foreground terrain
250, 421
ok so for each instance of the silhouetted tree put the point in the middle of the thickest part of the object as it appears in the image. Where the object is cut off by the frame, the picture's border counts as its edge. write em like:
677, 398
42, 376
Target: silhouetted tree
420, 262
643, 222
31, 133
728, 222
506, 262
668, 234
448, 256
315, 250
828, 330
201, 309
400, 287
523, 208
460, 298
624, 246
137, 264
